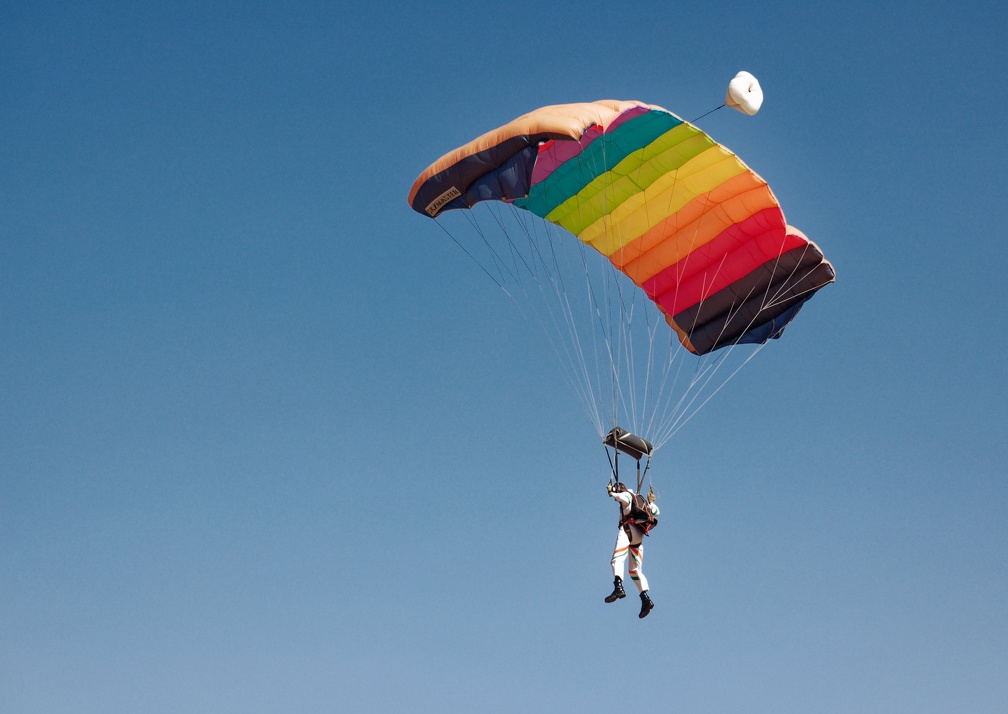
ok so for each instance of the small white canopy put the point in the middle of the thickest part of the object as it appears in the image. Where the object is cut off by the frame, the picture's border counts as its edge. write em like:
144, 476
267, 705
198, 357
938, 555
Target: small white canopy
744, 93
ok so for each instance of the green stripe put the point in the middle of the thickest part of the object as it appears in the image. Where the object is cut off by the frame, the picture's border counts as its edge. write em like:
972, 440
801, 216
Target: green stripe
597, 158
632, 175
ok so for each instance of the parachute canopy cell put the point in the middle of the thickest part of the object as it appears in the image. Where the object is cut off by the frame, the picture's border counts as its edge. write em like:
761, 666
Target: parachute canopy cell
679, 214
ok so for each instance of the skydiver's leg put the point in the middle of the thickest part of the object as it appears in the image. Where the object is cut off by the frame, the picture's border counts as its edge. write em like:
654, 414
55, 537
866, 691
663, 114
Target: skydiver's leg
619, 555
637, 566
618, 559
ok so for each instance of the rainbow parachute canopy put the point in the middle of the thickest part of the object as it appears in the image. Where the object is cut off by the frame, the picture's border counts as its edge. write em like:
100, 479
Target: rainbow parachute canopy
679, 214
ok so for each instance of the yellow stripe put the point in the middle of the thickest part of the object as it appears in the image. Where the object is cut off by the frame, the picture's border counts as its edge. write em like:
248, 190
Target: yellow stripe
666, 153
664, 198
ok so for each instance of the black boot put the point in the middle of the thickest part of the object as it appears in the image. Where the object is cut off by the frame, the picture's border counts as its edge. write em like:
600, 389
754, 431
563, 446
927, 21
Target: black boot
645, 605
617, 592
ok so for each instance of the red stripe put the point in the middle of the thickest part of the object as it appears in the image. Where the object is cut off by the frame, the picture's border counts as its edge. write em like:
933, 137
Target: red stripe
735, 253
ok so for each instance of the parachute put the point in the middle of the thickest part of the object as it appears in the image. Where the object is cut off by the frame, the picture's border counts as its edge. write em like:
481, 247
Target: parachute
651, 207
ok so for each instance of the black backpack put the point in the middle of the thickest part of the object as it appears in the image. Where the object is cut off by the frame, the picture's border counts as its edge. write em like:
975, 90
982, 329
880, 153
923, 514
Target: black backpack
640, 514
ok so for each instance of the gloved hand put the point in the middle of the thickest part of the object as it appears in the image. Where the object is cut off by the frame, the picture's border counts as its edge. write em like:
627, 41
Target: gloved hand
650, 495
609, 488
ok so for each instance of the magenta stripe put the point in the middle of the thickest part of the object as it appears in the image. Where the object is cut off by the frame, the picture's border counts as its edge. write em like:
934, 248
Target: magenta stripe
554, 153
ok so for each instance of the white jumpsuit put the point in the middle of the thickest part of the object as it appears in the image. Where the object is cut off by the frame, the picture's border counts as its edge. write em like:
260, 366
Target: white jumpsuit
632, 544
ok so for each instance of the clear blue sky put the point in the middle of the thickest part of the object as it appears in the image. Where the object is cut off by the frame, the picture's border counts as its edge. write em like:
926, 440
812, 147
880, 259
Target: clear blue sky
269, 442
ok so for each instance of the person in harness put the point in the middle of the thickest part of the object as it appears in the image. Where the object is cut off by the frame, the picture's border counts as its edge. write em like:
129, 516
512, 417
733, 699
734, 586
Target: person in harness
637, 516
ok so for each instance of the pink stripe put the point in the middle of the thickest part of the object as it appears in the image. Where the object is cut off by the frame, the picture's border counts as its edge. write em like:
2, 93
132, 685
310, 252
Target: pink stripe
554, 153
626, 116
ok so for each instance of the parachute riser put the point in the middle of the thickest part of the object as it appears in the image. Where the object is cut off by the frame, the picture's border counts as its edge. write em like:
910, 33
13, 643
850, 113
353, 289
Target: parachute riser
640, 476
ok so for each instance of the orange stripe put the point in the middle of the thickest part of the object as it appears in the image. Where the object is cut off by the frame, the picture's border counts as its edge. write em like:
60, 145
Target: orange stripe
692, 210
699, 232
699, 222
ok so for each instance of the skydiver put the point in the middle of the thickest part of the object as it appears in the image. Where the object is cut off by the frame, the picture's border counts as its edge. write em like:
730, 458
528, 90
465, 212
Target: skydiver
629, 540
